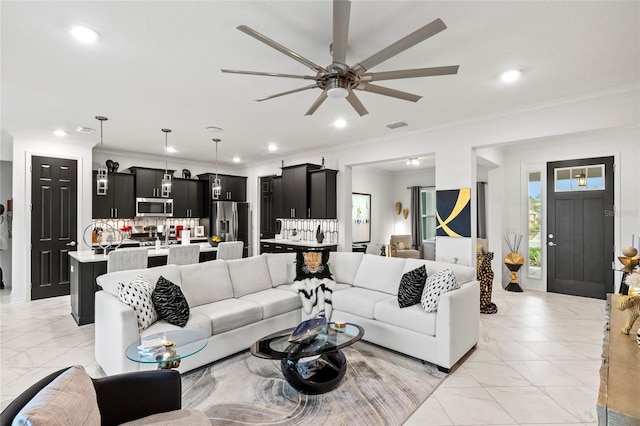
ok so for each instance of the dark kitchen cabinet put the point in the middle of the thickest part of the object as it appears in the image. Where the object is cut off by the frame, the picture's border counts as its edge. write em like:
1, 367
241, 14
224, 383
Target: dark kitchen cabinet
149, 181
323, 194
188, 198
120, 200
271, 247
277, 198
296, 190
234, 188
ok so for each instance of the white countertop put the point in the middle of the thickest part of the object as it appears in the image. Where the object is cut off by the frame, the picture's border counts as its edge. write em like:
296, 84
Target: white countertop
304, 243
88, 256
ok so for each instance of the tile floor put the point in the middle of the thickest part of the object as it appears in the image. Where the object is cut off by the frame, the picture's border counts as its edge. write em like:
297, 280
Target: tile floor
536, 363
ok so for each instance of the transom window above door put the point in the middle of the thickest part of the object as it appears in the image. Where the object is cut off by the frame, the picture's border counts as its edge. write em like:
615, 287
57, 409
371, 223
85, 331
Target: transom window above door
584, 178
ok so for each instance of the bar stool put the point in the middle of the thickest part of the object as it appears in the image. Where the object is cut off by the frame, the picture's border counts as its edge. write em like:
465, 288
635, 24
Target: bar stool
230, 250
127, 258
183, 254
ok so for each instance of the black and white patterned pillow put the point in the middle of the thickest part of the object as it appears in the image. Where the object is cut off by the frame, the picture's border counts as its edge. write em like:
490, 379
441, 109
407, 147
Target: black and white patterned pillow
137, 294
170, 302
436, 286
411, 287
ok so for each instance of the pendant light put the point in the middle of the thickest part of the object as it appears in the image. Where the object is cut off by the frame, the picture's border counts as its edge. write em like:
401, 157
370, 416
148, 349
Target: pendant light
102, 180
166, 179
216, 186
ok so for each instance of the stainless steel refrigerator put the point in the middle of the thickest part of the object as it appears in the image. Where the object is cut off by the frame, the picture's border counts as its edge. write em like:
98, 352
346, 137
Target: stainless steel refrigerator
231, 221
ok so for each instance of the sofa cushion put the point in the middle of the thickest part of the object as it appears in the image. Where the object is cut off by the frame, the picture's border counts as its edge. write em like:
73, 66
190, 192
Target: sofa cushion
412, 318
379, 273
344, 265
206, 282
109, 282
357, 301
70, 399
249, 275
411, 287
282, 267
170, 303
274, 302
189, 417
312, 264
197, 322
137, 294
230, 314
437, 285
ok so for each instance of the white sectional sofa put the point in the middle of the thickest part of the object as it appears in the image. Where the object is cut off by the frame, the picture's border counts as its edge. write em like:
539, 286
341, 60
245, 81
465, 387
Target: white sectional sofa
237, 302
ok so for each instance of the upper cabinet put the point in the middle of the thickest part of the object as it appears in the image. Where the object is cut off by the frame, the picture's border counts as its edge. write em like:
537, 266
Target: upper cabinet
188, 198
119, 202
149, 181
234, 188
296, 190
323, 194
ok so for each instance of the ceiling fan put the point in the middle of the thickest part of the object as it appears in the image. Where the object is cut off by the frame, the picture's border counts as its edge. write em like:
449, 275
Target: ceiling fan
338, 80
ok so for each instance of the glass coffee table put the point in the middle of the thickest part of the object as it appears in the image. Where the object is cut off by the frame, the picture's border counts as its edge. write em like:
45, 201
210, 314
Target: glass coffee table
167, 348
314, 366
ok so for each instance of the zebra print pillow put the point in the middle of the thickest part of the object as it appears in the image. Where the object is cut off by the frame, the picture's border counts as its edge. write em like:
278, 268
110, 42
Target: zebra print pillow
170, 303
411, 286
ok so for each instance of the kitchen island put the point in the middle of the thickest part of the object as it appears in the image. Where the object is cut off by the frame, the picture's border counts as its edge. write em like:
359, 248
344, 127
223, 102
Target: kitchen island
86, 266
272, 245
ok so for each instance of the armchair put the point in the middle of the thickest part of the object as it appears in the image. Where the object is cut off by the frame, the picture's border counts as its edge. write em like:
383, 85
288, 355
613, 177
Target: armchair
400, 246
120, 398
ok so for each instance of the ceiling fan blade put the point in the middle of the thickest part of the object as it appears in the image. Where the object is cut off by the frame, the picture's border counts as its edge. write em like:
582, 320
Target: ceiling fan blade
417, 72
388, 92
270, 74
356, 104
277, 95
341, 13
401, 45
317, 103
290, 53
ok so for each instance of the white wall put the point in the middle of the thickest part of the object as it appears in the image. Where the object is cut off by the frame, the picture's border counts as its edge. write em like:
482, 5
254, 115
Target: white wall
380, 184
621, 143
23, 150
6, 194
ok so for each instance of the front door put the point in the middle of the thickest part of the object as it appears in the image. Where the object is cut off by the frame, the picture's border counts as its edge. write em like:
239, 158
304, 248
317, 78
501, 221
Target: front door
580, 241
53, 224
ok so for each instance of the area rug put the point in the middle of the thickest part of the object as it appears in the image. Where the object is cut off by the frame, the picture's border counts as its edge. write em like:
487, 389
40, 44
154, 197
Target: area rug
380, 387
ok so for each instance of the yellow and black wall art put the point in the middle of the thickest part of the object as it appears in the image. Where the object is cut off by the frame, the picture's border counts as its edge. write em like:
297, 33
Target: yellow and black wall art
453, 213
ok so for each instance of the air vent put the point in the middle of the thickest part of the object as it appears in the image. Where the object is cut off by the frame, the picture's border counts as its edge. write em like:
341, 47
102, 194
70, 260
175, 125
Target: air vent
396, 125
82, 129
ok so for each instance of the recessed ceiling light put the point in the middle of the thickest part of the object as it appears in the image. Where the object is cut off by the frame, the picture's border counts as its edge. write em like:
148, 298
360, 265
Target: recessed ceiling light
84, 34
236, 159
413, 162
60, 133
214, 129
171, 150
272, 147
510, 76
340, 123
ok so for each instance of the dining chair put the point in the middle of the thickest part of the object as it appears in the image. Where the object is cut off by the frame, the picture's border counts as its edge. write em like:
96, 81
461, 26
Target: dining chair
127, 258
230, 250
183, 254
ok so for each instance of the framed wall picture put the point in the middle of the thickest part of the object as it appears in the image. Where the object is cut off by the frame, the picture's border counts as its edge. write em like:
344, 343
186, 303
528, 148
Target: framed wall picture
361, 217
453, 213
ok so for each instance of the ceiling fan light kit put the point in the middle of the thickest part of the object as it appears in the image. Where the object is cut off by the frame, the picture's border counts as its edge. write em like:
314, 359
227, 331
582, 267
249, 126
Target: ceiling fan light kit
339, 80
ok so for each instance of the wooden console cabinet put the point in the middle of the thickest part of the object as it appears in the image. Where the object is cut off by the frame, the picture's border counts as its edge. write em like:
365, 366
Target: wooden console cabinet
620, 371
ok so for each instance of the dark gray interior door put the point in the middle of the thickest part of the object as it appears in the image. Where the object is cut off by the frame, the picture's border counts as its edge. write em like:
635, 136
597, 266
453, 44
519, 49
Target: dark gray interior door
53, 224
580, 240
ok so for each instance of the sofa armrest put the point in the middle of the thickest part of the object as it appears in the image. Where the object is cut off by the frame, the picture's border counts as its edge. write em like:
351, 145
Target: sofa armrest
457, 323
131, 396
116, 327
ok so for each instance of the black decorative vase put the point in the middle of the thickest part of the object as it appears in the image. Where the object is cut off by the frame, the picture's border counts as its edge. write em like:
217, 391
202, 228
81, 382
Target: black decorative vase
319, 235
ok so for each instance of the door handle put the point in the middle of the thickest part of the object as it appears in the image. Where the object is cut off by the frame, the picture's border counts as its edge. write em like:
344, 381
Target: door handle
551, 244
71, 244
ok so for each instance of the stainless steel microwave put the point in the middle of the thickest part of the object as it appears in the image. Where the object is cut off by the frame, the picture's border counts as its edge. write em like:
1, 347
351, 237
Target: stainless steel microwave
158, 207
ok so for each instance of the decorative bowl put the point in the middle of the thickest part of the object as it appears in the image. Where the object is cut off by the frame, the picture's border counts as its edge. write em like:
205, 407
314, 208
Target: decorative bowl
307, 330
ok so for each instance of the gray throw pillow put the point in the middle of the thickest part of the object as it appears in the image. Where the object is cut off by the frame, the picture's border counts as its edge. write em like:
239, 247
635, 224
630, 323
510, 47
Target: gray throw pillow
411, 287
170, 302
